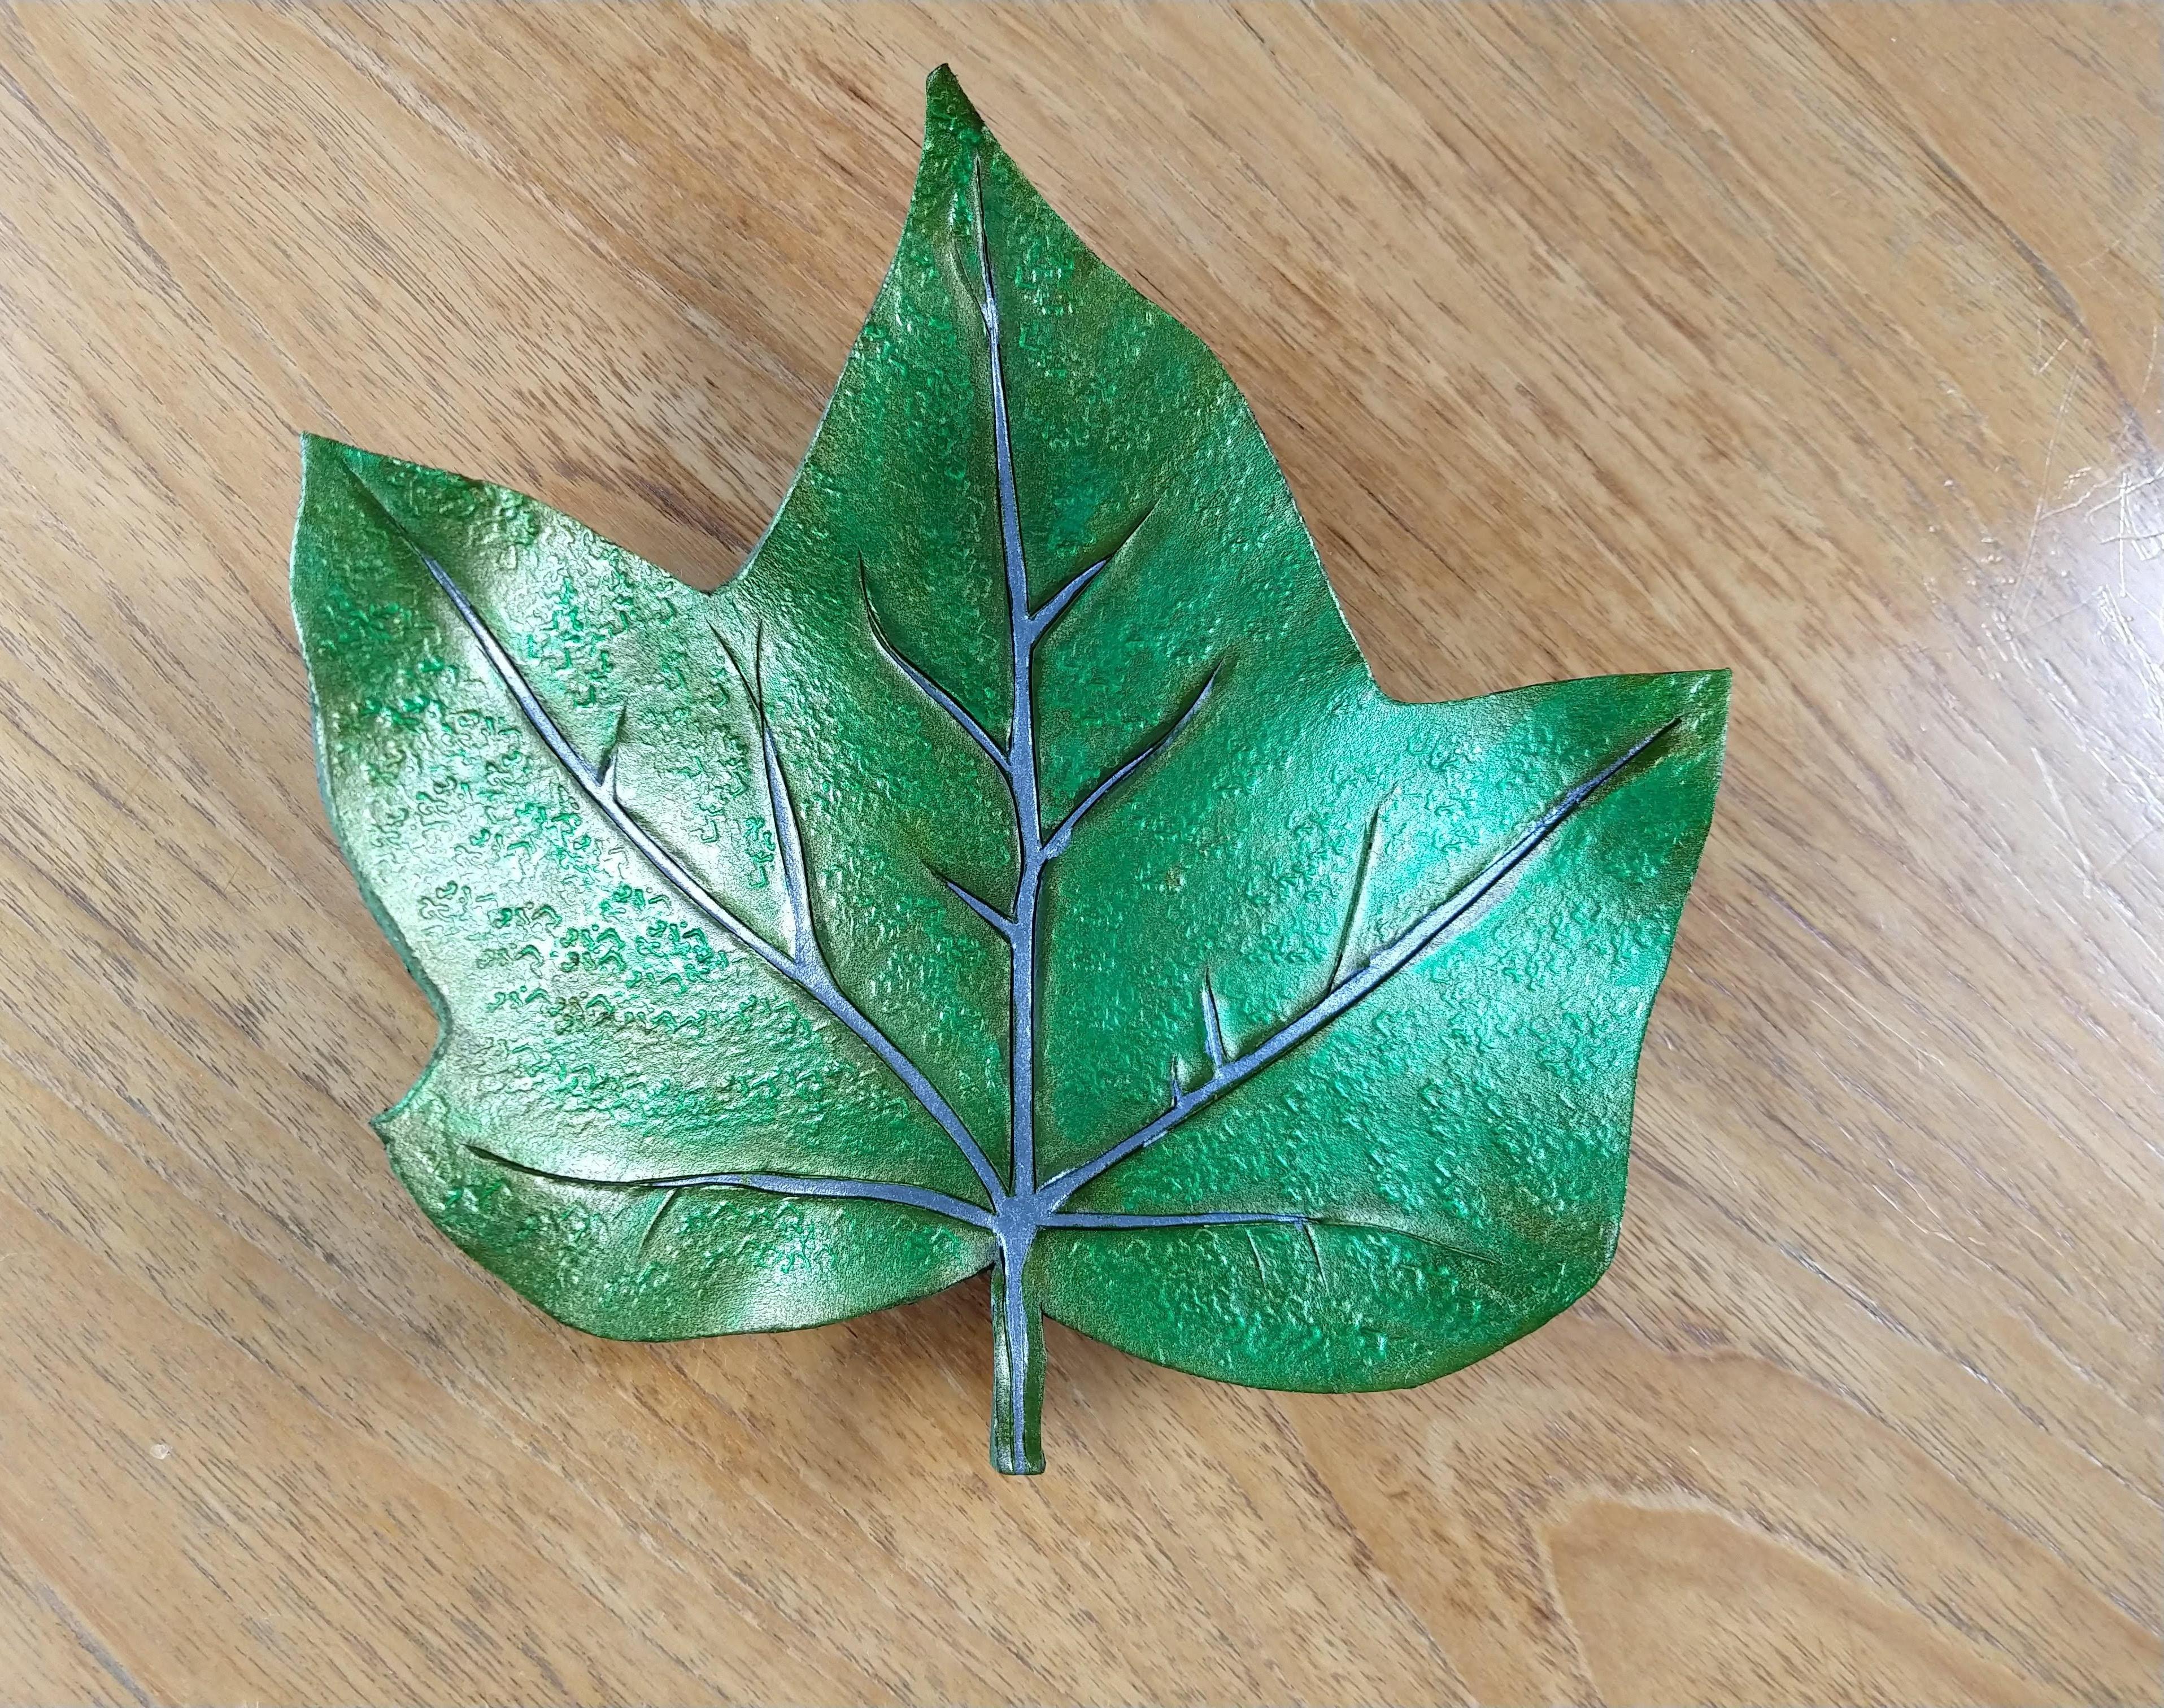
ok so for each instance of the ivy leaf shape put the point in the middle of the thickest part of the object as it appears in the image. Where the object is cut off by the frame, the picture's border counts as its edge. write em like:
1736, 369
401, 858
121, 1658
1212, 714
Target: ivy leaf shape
1014, 868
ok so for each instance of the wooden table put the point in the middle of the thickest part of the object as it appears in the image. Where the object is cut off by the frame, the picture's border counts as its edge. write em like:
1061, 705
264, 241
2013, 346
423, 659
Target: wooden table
1822, 342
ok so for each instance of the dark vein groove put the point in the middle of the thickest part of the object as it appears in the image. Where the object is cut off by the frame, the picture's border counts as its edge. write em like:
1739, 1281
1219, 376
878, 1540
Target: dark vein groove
1203, 1218
1343, 994
982, 909
661, 1210
1021, 1206
930, 690
1352, 910
1213, 1024
1029, 826
1102, 1221
808, 975
1056, 844
1050, 612
781, 1185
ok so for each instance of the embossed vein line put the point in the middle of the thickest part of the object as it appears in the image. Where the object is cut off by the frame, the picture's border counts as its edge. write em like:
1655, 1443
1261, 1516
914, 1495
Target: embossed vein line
1022, 780
1345, 991
599, 787
783, 1186
1020, 1205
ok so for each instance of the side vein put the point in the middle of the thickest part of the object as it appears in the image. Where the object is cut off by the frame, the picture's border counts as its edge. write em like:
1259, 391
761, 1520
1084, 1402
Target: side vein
804, 968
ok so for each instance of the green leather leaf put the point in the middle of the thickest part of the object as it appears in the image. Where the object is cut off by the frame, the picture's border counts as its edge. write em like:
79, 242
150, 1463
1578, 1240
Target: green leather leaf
1014, 867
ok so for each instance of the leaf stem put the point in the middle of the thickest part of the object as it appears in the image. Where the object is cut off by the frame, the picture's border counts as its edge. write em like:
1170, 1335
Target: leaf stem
1018, 1365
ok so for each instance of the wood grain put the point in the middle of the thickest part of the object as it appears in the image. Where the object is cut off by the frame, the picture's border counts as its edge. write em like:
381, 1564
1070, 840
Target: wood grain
1817, 342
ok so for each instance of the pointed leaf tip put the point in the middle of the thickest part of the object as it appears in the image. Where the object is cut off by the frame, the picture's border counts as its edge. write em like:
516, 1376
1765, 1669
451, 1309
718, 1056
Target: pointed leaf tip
945, 104
320, 451
317, 446
324, 459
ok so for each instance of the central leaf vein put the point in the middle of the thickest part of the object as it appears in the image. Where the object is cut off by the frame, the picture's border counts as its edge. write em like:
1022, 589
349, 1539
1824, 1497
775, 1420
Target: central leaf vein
1020, 1207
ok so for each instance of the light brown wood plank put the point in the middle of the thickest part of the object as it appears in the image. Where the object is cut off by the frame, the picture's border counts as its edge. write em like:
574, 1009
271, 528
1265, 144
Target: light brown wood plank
1819, 341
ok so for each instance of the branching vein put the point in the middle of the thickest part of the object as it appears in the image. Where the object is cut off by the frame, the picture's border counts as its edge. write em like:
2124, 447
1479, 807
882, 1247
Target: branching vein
782, 1185
803, 965
1056, 844
1020, 1207
1345, 989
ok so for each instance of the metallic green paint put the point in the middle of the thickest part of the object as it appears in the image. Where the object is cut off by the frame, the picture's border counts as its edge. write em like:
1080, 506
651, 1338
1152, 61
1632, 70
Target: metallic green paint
728, 904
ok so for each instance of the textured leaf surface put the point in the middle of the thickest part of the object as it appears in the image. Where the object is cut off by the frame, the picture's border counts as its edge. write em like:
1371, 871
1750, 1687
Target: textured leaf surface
1015, 866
